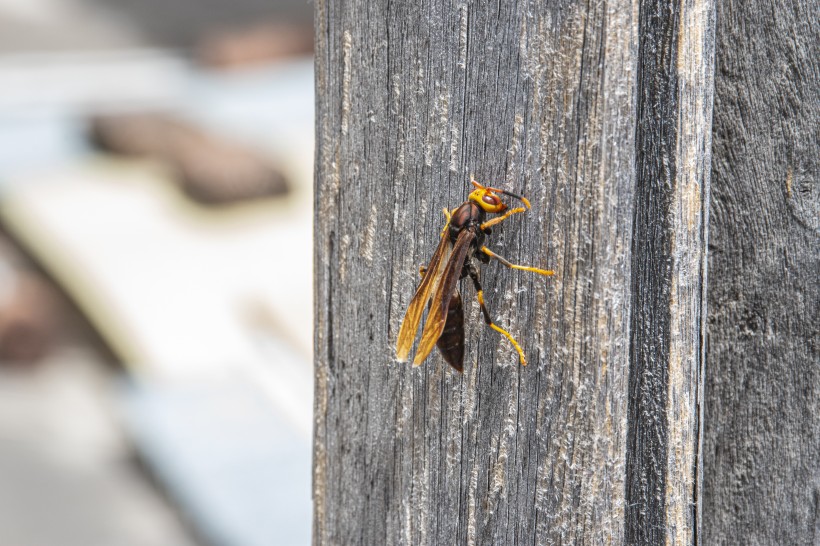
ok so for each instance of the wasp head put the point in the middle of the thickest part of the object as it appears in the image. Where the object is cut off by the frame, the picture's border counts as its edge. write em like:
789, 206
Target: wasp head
488, 199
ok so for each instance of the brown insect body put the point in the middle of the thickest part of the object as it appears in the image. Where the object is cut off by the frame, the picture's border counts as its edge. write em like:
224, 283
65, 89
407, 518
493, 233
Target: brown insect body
467, 216
451, 341
461, 242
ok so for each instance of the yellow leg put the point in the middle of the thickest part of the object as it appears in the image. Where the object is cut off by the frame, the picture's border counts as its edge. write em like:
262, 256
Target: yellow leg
480, 295
448, 215
491, 254
505, 333
514, 343
498, 220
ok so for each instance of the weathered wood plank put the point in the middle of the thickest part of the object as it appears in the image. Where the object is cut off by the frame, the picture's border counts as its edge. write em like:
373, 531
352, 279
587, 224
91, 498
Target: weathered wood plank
762, 434
669, 271
599, 113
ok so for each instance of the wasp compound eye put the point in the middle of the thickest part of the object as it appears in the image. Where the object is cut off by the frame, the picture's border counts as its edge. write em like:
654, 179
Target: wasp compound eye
491, 199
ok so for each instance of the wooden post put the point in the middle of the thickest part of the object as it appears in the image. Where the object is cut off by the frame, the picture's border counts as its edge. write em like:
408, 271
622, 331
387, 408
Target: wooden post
762, 431
600, 113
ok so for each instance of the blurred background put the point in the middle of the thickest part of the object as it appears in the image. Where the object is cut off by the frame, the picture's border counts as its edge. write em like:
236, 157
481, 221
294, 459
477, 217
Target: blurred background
155, 272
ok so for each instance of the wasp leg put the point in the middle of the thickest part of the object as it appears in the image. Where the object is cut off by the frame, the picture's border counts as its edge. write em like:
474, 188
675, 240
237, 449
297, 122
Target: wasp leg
491, 254
480, 295
448, 215
499, 219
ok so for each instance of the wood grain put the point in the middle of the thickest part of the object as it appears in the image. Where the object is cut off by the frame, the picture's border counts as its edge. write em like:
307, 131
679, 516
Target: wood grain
762, 434
600, 114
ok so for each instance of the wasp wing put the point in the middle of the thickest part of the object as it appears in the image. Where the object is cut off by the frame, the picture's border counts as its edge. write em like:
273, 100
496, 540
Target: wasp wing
412, 318
440, 303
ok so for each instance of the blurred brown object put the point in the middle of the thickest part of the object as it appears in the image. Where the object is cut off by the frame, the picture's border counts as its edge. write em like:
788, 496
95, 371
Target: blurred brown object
29, 320
209, 169
255, 45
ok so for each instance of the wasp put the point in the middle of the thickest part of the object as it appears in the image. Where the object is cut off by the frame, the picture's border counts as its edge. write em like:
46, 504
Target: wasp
462, 243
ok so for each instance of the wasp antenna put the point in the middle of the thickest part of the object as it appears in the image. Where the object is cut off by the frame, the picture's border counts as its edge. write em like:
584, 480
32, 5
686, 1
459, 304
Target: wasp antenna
507, 193
515, 196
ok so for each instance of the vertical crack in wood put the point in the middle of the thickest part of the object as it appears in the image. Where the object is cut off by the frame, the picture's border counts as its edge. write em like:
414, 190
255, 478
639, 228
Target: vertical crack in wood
656, 142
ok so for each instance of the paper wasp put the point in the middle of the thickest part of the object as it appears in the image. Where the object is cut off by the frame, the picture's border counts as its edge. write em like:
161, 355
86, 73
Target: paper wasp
462, 240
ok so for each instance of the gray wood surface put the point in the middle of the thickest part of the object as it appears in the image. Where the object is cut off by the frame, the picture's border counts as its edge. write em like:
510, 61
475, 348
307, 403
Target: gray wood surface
598, 112
762, 432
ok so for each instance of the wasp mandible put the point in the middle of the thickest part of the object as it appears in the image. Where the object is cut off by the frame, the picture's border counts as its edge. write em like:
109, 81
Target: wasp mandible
462, 241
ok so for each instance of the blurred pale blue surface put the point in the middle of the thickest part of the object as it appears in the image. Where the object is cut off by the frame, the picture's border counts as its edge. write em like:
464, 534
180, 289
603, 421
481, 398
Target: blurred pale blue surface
235, 466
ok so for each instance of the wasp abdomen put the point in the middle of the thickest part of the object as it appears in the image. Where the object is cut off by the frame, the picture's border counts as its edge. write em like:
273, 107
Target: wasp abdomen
451, 341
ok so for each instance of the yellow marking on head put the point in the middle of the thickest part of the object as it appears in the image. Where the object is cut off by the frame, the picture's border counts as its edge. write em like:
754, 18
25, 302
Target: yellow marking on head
499, 190
487, 200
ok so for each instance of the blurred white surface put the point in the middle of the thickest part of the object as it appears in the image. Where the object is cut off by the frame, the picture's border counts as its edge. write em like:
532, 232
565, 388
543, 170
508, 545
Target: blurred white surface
59, 24
180, 290
209, 308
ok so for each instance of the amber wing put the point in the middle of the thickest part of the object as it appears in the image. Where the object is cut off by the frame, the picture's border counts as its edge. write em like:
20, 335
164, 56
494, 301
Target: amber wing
412, 318
442, 296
